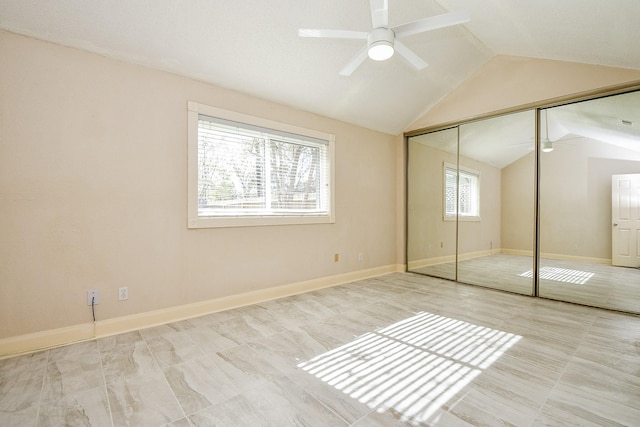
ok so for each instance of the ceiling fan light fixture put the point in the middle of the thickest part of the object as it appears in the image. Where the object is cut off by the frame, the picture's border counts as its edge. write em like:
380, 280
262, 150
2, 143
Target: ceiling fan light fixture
547, 146
383, 41
380, 51
380, 42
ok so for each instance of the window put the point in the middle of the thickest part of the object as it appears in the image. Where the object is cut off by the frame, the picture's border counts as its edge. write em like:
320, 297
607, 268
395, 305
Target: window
467, 203
244, 170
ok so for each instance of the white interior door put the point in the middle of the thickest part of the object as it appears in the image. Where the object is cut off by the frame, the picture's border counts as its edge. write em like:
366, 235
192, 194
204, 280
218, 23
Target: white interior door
625, 215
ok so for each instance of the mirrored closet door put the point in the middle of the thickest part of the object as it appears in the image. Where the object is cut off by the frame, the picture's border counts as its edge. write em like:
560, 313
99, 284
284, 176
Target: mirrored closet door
496, 202
590, 202
555, 215
431, 238
471, 202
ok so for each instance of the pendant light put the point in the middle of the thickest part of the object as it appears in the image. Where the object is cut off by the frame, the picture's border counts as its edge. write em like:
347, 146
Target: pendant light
546, 145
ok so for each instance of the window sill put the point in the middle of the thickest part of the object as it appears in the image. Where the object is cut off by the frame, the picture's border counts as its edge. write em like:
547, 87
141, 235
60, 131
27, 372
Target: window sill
257, 221
462, 218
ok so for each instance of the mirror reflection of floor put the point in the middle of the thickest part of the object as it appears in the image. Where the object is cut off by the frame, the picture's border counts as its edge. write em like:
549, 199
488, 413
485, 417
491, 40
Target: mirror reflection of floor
582, 282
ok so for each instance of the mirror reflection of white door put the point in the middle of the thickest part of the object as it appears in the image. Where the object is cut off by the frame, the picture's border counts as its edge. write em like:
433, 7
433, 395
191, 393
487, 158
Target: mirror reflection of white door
625, 215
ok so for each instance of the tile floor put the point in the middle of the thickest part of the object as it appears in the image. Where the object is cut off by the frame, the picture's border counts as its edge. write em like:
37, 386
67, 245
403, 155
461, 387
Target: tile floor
398, 350
582, 282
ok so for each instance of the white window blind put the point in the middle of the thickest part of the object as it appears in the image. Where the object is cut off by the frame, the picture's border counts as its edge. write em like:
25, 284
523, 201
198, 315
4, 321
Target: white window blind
248, 170
461, 194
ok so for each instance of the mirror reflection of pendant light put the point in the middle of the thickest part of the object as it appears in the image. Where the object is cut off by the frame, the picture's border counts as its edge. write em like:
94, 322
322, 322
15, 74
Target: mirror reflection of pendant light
546, 145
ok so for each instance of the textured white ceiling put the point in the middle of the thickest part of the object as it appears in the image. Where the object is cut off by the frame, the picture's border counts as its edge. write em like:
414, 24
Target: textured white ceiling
252, 45
613, 121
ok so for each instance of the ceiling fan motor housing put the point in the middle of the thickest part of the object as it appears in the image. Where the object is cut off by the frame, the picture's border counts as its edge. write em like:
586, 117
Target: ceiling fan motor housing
380, 42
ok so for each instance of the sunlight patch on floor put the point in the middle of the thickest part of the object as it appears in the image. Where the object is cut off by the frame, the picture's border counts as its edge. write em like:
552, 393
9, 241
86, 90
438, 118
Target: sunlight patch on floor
577, 277
412, 367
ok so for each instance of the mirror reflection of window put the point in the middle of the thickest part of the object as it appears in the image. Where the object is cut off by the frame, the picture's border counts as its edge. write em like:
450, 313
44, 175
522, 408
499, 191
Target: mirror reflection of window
469, 201
465, 202
496, 202
431, 238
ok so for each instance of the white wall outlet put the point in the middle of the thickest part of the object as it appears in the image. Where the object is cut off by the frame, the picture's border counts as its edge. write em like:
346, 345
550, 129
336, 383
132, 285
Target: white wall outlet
123, 293
360, 257
93, 297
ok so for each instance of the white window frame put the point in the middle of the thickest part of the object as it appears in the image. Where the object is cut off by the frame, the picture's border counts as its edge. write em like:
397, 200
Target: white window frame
461, 170
195, 220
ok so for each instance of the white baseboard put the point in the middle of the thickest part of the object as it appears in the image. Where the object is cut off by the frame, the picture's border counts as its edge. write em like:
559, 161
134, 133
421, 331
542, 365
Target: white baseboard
426, 262
563, 257
516, 252
29, 343
559, 257
477, 254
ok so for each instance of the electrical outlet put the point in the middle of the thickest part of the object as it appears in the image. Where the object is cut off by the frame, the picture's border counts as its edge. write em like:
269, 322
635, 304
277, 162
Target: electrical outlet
93, 297
123, 293
336, 257
360, 257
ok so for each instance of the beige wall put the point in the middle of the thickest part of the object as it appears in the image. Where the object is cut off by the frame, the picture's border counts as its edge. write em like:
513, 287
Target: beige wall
483, 235
401, 200
427, 227
93, 186
429, 236
518, 210
575, 199
506, 81
575, 196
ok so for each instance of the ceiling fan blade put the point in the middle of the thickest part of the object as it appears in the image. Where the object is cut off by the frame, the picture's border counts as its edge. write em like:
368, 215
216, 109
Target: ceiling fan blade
432, 23
334, 34
414, 60
379, 13
355, 62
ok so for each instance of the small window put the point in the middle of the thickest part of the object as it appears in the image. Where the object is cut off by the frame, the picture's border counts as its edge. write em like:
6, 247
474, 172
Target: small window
466, 202
244, 170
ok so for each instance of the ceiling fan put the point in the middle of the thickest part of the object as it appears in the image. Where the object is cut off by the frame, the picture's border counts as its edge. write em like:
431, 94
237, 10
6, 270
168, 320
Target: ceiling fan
382, 40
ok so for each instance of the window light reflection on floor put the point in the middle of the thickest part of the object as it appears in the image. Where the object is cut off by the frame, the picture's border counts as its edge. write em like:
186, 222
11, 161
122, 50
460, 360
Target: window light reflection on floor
413, 367
577, 277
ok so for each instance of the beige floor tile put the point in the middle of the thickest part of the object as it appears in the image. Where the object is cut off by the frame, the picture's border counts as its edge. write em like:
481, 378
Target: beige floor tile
86, 408
397, 350
143, 400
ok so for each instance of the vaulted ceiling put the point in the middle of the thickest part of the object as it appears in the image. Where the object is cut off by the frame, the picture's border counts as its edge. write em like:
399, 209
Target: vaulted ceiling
253, 46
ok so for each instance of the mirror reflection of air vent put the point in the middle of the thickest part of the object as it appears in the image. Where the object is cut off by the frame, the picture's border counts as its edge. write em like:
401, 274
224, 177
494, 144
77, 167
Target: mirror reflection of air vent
627, 122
